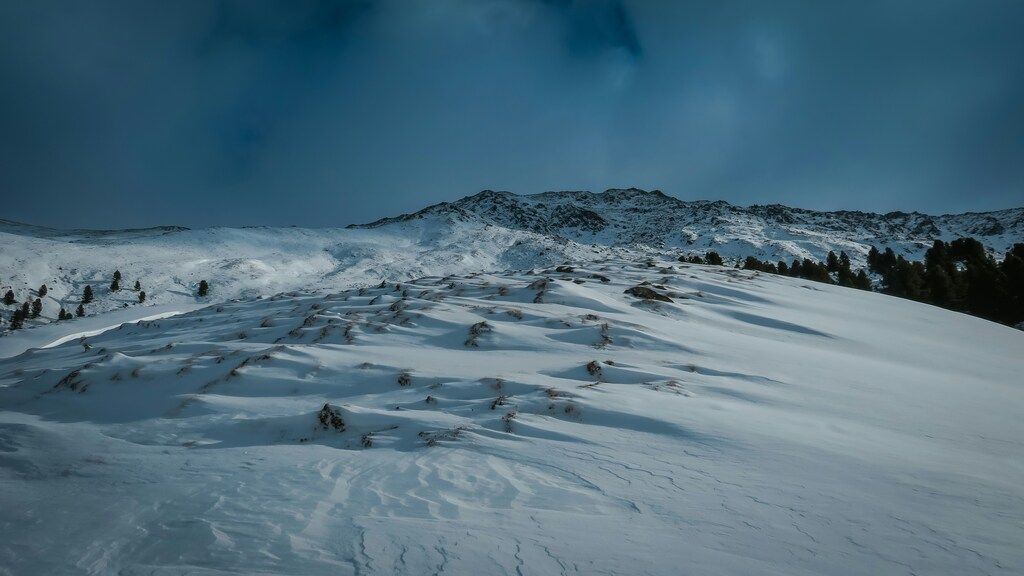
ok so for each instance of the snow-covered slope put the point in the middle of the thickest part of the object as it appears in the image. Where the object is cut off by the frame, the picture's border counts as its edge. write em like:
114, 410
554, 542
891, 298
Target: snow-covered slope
248, 262
538, 422
631, 216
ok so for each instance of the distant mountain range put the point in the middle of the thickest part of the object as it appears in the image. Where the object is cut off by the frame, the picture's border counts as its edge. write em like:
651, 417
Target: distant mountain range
630, 217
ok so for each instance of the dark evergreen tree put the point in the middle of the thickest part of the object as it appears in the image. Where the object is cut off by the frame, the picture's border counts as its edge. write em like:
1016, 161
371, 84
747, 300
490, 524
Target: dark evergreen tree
873, 257
1012, 268
812, 270
713, 258
80, 311
862, 281
783, 268
845, 277
115, 284
832, 262
9, 298
138, 285
17, 320
117, 275
87, 295
142, 296
26, 309
204, 288
940, 286
37, 308
43, 290
795, 269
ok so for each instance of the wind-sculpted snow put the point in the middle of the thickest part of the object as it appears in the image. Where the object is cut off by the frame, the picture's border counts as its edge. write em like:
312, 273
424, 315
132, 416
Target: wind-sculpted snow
535, 422
486, 231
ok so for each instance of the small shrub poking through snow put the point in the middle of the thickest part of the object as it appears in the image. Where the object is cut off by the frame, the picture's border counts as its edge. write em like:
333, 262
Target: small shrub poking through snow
647, 293
475, 331
594, 368
404, 378
330, 417
507, 420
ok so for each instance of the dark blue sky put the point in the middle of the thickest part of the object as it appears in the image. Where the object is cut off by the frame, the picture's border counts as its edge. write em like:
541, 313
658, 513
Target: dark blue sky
203, 112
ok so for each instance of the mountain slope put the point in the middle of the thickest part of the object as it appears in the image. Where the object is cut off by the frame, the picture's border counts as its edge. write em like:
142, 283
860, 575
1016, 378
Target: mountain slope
629, 217
248, 262
525, 422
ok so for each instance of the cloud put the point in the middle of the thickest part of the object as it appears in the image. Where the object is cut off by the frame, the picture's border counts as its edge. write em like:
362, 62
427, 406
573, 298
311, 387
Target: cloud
274, 112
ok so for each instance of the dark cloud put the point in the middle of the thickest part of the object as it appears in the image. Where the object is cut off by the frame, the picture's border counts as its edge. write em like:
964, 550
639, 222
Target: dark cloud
271, 111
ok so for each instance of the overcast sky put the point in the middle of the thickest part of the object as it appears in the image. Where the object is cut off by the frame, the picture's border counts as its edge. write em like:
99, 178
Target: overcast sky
134, 113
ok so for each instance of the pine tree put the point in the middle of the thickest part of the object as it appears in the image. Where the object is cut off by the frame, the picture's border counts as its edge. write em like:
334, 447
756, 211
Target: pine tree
138, 285
37, 308
783, 268
17, 320
844, 260
940, 286
26, 309
87, 295
713, 258
751, 263
80, 311
873, 257
845, 277
204, 288
1012, 268
43, 290
832, 262
142, 296
63, 314
862, 281
115, 285
9, 298
117, 275
794, 269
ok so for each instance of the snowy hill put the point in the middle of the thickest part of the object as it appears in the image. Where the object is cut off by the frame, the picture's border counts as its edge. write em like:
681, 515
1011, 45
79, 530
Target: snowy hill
630, 217
536, 422
249, 262
490, 231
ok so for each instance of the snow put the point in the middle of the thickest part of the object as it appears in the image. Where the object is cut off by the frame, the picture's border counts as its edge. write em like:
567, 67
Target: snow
755, 424
634, 217
98, 331
52, 334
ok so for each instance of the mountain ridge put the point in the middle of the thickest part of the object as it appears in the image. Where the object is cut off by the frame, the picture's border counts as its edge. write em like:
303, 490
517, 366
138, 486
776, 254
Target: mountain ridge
619, 217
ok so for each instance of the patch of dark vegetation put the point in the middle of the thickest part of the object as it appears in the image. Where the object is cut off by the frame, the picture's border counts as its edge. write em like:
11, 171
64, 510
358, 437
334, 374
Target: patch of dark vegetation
435, 437
507, 421
477, 330
647, 293
404, 378
330, 417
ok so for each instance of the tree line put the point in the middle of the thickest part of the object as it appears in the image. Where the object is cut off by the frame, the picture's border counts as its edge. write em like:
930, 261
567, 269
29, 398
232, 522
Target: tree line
958, 275
837, 266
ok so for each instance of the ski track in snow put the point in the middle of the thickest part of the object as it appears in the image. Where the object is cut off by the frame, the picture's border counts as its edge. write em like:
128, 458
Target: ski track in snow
749, 426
